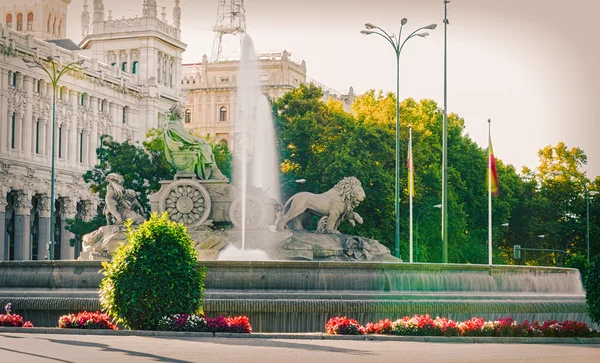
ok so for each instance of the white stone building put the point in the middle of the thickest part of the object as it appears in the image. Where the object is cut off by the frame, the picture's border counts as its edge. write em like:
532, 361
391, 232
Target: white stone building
211, 87
131, 78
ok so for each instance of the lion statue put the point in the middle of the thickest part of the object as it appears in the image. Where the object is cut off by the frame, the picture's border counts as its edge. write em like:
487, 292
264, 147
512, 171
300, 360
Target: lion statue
334, 206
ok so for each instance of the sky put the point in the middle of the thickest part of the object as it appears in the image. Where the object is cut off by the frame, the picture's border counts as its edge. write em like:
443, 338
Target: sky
531, 66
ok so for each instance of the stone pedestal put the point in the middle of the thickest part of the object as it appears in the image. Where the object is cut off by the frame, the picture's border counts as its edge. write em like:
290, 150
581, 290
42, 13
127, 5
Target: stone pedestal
195, 203
334, 247
99, 244
200, 203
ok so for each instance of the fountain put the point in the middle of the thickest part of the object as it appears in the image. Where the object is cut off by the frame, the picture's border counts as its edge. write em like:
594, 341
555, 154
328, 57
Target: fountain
255, 156
326, 274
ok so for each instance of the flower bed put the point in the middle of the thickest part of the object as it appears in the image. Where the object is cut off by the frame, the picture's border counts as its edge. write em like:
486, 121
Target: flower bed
13, 320
199, 323
85, 320
424, 325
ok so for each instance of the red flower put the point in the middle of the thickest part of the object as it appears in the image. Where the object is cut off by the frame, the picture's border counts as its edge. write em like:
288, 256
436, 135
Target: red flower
344, 326
85, 320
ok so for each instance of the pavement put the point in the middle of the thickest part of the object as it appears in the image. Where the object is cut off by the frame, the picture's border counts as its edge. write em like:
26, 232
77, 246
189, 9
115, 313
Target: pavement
71, 345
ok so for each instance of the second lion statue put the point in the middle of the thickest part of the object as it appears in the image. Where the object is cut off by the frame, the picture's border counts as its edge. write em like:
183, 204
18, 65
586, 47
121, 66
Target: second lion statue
336, 204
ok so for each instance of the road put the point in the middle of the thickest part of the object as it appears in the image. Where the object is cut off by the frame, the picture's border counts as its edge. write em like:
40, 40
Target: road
19, 347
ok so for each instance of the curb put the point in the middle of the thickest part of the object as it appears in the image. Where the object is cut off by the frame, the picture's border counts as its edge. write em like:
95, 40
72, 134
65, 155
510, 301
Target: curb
309, 336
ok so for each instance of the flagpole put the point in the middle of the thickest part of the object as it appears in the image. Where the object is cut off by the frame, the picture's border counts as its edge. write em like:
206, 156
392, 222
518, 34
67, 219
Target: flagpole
490, 192
411, 187
445, 148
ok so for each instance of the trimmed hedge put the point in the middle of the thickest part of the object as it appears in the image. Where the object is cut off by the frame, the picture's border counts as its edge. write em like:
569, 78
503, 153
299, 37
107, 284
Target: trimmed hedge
592, 290
154, 275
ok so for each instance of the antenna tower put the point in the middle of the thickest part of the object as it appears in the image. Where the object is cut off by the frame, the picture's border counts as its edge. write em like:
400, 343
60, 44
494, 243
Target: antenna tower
229, 30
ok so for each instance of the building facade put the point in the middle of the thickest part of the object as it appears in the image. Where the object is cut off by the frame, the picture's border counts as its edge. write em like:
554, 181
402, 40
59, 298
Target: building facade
130, 78
211, 88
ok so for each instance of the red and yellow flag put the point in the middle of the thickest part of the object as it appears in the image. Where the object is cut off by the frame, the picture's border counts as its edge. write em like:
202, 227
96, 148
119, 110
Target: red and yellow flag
493, 187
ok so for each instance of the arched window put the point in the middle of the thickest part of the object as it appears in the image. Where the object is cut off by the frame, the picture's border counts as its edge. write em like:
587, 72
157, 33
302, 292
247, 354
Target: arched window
188, 116
20, 22
9, 21
136, 64
224, 143
223, 114
54, 26
59, 29
113, 64
124, 66
30, 21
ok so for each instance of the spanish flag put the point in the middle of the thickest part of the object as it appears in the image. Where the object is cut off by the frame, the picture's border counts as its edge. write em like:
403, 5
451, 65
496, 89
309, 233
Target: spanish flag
493, 180
411, 168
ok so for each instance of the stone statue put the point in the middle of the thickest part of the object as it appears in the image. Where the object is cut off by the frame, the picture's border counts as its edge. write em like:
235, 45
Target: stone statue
335, 205
121, 204
188, 153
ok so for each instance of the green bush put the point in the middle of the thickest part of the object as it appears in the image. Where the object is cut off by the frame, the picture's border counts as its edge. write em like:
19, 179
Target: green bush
592, 290
579, 262
154, 275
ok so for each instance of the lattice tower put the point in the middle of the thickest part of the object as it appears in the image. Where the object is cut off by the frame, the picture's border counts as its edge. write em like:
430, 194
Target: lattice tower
229, 29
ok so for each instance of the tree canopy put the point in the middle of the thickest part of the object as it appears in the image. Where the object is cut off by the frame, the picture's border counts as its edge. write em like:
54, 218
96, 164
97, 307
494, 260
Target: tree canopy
321, 143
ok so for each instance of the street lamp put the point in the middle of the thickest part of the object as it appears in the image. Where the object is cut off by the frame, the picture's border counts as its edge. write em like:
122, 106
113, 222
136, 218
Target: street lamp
417, 234
397, 44
54, 73
587, 206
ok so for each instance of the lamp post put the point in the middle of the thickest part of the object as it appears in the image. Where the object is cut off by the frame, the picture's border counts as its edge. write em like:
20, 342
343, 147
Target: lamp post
54, 73
417, 228
587, 206
397, 44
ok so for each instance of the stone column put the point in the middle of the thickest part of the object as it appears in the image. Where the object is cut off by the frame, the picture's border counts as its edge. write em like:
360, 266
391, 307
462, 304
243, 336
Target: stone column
18, 130
28, 129
158, 68
3, 205
74, 130
4, 135
43, 126
115, 123
68, 211
22, 225
94, 136
44, 227
86, 148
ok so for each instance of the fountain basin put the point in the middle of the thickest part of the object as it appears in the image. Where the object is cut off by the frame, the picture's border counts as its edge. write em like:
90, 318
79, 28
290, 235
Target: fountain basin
290, 296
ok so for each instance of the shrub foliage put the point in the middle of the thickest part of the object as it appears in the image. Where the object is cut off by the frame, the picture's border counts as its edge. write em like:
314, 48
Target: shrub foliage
592, 290
154, 275
85, 320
